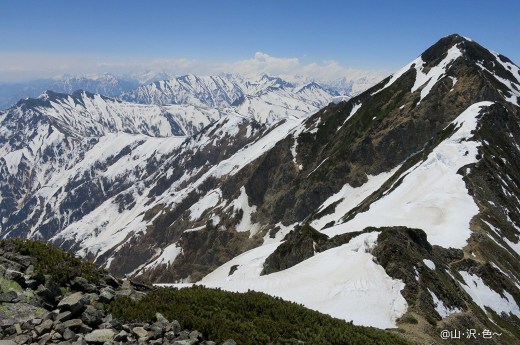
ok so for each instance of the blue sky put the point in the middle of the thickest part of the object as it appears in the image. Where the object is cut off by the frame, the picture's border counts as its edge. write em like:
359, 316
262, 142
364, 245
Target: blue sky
42, 37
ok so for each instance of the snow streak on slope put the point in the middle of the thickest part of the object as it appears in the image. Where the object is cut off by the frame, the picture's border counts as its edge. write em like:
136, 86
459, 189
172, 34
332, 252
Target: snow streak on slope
512, 85
432, 197
429, 78
343, 282
435, 73
484, 296
442, 309
242, 203
349, 197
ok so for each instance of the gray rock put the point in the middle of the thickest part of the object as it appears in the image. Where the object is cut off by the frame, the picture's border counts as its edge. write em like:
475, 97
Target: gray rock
185, 342
155, 342
169, 336
36, 321
156, 331
84, 329
63, 316
9, 265
18, 328
176, 326
100, 336
69, 335
33, 280
108, 318
160, 318
140, 332
81, 284
15, 276
74, 324
184, 335
74, 302
49, 292
92, 316
7, 342
6, 322
126, 285
111, 281
56, 336
8, 297
44, 327
44, 338
106, 295
80, 341
195, 335
229, 342
122, 336
22, 339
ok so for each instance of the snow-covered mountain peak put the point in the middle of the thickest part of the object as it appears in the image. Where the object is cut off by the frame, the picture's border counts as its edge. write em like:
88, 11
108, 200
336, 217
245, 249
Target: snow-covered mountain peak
264, 98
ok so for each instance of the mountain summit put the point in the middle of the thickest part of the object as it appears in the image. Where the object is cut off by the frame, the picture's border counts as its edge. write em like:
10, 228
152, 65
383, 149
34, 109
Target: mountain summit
400, 206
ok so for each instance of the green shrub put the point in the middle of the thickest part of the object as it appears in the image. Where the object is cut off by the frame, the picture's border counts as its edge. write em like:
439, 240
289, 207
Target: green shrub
60, 265
248, 318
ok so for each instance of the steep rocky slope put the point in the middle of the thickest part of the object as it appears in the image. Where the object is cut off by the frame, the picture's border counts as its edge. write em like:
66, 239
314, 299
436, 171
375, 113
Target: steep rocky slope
434, 148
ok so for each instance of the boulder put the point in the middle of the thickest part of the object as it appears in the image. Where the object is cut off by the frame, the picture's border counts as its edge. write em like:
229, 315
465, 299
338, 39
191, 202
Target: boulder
22, 312
106, 295
15, 276
81, 284
7, 342
74, 302
8, 297
100, 336
140, 332
49, 292
92, 316
44, 327
68, 334
121, 336
229, 342
63, 316
185, 342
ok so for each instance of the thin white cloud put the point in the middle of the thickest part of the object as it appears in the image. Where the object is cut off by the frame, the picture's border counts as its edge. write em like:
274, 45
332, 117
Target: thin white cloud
19, 67
261, 63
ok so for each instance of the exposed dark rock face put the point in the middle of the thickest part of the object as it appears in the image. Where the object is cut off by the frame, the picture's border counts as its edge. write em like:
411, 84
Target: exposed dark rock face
302, 243
404, 252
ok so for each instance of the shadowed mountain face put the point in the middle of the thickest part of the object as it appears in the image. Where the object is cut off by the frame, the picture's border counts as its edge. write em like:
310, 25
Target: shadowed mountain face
405, 197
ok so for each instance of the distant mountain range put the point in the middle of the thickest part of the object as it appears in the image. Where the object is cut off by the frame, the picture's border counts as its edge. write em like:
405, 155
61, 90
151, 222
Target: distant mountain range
149, 87
398, 207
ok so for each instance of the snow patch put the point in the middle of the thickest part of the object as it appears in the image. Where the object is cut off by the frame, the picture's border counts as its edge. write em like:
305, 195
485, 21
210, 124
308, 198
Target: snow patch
351, 285
210, 200
168, 256
442, 309
435, 73
430, 264
484, 296
432, 197
349, 197
242, 203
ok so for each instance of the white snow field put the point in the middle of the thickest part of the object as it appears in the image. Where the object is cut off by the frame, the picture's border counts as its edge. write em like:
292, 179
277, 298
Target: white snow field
432, 196
343, 282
